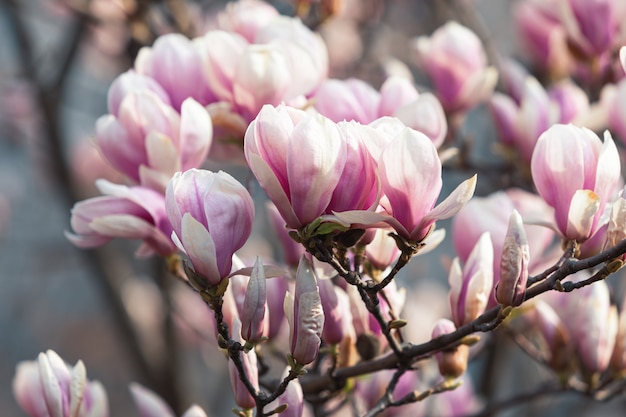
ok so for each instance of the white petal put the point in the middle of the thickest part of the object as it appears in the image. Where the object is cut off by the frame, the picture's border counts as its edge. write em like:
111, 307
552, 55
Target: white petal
582, 209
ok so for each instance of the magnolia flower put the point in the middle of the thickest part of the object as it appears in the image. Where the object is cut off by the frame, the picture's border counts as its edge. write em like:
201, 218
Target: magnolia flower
305, 314
175, 62
543, 35
356, 100
148, 140
575, 173
293, 398
124, 212
151, 405
49, 387
310, 166
470, 287
591, 26
211, 214
593, 323
514, 262
557, 345
520, 124
454, 59
284, 62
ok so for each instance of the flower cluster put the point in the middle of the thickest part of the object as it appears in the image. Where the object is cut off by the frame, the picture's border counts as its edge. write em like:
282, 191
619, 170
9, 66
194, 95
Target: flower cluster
354, 176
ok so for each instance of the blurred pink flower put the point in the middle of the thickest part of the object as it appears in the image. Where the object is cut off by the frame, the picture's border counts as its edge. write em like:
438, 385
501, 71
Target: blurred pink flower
49, 387
175, 62
471, 286
149, 141
246, 17
354, 99
520, 124
543, 35
455, 60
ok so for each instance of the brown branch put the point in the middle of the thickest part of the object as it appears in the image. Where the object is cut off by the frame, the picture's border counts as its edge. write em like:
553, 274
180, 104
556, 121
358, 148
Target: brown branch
486, 322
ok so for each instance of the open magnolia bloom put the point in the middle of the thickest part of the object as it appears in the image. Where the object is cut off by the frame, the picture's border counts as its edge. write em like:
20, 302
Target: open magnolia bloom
211, 214
49, 387
575, 173
123, 212
410, 172
146, 138
310, 166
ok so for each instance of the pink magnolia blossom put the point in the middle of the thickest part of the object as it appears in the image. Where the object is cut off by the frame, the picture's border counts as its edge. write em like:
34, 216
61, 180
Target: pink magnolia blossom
284, 63
471, 286
543, 35
557, 344
305, 314
454, 59
593, 323
591, 26
175, 62
354, 99
147, 140
123, 212
49, 387
293, 397
133, 82
520, 124
211, 214
410, 172
575, 173
310, 166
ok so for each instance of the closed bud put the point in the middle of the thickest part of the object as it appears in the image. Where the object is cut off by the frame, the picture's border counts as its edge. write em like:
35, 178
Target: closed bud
253, 318
305, 315
452, 362
513, 264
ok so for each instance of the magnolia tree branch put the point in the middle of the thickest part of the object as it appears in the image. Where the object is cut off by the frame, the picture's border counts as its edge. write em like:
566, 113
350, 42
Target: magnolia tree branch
486, 322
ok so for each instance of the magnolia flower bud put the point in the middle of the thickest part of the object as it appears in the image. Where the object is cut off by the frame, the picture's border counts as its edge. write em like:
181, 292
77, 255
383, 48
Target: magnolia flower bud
556, 336
305, 315
452, 362
293, 398
513, 264
253, 319
470, 287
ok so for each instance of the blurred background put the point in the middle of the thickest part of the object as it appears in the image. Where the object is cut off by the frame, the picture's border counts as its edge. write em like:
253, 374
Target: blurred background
57, 59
